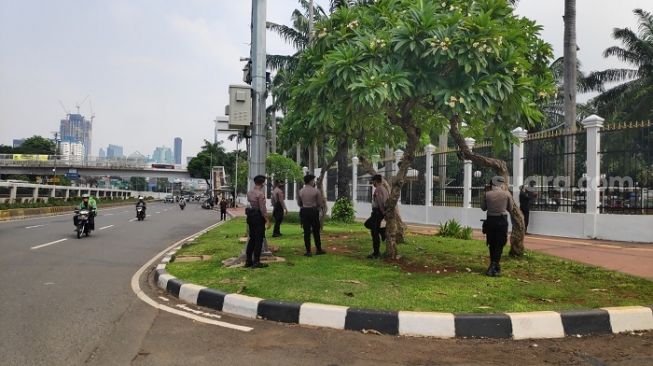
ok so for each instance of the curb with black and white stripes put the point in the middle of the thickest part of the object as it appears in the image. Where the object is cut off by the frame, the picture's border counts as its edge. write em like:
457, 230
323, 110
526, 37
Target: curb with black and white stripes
530, 325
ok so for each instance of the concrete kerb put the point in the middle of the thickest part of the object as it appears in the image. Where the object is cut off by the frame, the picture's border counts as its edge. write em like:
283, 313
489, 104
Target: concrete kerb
525, 325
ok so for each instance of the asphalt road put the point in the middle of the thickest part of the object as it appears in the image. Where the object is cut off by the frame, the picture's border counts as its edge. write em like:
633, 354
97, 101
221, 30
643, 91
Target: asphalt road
71, 303
62, 301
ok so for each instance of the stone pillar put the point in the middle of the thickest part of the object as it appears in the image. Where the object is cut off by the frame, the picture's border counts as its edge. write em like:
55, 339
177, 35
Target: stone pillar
428, 175
518, 161
442, 164
35, 193
13, 192
67, 196
593, 125
467, 179
375, 161
354, 179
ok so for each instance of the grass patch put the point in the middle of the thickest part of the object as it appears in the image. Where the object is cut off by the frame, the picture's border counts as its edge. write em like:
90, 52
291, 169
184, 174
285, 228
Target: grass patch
433, 274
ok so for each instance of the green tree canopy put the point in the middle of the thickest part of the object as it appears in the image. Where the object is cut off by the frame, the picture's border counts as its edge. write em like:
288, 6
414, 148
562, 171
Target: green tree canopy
37, 145
423, 65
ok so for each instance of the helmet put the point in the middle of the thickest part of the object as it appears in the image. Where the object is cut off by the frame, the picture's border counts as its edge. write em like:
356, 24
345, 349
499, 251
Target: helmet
85, 195
140, 198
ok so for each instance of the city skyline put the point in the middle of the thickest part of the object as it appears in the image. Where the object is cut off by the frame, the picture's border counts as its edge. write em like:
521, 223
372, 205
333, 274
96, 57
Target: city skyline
167, 66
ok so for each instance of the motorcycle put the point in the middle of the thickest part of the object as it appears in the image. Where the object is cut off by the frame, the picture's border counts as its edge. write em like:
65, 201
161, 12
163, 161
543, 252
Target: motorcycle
83, 225
182, 204
140, 213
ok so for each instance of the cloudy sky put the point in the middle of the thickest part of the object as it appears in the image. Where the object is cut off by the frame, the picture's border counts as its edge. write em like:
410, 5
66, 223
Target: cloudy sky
157, 69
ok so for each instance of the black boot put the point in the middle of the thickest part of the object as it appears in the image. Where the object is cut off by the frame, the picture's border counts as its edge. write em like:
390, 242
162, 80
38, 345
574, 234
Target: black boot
497, 269
491, 270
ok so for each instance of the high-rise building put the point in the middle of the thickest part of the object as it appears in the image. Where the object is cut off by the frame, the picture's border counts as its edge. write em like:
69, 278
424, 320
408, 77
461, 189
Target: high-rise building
177, 150
71, 150
18, 142
77, 129
102, 154
114, 152
163, 155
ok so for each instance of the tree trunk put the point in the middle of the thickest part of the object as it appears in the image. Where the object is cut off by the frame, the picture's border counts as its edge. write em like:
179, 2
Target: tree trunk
344, 177
570, 84
499, 166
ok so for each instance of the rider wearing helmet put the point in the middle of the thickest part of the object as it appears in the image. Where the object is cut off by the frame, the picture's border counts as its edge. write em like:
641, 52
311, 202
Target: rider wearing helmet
141, 202
90, 205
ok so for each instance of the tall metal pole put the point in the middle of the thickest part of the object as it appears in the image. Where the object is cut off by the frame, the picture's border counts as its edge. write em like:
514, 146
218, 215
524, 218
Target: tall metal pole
257, 55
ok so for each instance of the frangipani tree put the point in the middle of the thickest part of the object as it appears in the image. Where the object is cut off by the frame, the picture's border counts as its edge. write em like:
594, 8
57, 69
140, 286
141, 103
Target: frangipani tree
421, 66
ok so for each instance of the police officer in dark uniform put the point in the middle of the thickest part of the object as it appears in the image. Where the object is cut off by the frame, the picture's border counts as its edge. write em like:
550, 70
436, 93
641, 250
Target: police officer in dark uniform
379, 198
309, 200
497, 203
257, 220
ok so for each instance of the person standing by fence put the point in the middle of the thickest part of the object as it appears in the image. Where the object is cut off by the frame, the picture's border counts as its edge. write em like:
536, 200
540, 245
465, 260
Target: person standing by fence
309, 200
497, 203
223, 209
278, 207
525, 199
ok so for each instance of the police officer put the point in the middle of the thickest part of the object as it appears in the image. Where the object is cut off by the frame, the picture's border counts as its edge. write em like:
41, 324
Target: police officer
309, 200
257, 220
379, 199
497, 203
278, 207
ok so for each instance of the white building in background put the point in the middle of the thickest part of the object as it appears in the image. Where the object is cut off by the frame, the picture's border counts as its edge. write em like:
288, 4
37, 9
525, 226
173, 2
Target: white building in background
71, 150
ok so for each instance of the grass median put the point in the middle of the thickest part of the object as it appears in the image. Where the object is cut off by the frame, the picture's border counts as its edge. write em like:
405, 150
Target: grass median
432, 274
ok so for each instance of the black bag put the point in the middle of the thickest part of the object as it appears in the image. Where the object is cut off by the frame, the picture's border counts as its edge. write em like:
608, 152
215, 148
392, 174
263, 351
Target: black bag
484, 227
369, 222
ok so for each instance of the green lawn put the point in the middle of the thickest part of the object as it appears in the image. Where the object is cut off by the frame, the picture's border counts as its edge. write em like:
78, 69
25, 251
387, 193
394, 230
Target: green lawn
433, 274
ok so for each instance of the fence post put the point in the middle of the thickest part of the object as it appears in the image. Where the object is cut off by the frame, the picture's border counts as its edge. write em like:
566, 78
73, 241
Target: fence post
467, 178
13, 192
518, 161
398, 155
67, 196
354, 179
35, 193
593, 124
428, 175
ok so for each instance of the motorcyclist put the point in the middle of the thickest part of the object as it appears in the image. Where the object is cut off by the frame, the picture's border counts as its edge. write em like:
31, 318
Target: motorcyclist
182, 202
141, 203
90, 205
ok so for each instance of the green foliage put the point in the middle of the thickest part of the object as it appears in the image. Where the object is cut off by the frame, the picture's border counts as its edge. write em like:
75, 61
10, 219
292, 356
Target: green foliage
200, 165
36, 145
138, 183
281, 167
453, 229
343, 211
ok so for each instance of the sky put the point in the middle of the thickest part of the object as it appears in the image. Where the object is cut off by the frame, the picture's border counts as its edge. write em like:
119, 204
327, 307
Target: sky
154, 70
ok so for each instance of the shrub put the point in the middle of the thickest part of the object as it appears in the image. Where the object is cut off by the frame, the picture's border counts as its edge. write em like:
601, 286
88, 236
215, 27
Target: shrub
453, 229
343, 211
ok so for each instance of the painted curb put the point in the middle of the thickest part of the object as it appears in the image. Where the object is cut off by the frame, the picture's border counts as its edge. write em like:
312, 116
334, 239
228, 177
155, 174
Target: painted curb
527, 325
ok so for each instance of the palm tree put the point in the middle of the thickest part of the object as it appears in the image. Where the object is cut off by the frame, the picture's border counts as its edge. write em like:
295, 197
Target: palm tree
631, 99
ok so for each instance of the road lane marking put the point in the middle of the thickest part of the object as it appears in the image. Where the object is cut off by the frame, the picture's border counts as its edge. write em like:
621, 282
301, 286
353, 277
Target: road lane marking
163, 298
109, 214
136, 287
132, 220
105, 227
33, 226
50, 243
198, 312
158, 212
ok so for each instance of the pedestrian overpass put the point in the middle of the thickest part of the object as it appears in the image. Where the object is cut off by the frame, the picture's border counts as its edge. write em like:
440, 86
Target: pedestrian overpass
45, 165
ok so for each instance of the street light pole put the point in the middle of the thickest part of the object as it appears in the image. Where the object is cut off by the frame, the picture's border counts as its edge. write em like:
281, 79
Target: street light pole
258, 57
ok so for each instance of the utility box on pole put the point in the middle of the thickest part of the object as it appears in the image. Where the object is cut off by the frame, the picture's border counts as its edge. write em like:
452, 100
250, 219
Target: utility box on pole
240, 107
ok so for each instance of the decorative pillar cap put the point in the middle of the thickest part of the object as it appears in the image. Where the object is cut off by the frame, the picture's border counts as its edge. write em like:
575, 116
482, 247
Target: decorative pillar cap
354, 160
520, 133
470, 142
399, 153
593, 121
376, 157
429, 149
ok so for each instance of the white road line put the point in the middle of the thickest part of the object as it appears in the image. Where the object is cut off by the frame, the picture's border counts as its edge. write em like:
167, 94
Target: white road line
50, 243
105, 227
109, 214
132, 220
136, 287
163, 298
158, 212
33, 226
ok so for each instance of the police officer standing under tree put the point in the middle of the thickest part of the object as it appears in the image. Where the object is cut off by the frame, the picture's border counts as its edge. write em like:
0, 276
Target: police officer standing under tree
309, 200
379, 199
257, 220
497, 203
278, 207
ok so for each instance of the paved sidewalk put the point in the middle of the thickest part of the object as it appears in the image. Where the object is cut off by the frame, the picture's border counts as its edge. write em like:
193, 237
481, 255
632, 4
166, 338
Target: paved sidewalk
632, 258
